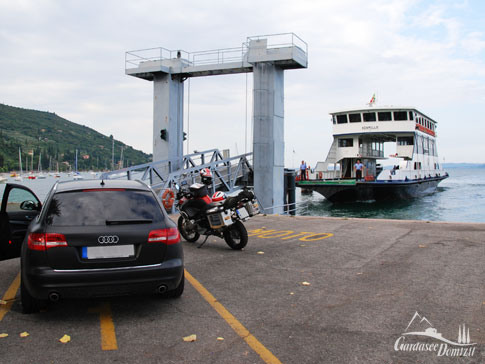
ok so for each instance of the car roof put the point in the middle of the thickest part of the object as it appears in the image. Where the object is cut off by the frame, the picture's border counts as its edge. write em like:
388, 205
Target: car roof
100, 184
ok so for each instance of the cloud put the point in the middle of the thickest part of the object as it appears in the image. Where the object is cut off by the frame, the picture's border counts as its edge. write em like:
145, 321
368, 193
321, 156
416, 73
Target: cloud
68, 57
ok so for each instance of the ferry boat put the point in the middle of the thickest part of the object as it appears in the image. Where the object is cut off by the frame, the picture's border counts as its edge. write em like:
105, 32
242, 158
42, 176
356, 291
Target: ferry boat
360, 134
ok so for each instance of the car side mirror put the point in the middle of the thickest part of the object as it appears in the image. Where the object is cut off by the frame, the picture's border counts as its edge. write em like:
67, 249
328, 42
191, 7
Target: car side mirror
29, 206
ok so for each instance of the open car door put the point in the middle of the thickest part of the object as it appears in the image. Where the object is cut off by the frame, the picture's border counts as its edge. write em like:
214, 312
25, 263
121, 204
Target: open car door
19, 207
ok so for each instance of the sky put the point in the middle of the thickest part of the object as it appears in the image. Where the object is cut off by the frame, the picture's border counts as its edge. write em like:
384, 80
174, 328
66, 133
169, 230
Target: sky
68, 57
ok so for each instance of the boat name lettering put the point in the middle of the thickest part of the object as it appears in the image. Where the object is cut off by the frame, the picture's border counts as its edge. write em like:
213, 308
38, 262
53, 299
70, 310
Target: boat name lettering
370, 127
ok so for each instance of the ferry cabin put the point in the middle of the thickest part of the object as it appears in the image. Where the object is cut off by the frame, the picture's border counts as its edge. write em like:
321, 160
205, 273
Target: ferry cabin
361, 134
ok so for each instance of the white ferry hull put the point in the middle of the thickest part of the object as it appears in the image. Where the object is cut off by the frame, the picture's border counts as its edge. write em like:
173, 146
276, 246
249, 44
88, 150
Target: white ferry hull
351, 191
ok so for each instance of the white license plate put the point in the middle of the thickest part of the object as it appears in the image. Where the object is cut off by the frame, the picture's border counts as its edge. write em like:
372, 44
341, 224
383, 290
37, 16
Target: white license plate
100, 252
242, 213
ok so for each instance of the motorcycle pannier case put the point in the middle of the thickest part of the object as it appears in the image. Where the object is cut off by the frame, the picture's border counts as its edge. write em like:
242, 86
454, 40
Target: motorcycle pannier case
252, 207
220, 219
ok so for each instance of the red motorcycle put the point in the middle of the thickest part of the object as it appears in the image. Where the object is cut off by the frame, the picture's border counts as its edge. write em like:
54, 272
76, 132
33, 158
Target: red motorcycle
220, 216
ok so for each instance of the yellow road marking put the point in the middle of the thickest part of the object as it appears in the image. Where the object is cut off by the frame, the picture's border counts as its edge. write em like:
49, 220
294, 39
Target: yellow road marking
315, 237
9, 296
108, 334
293, 236
276, 234
259, 348
288, 234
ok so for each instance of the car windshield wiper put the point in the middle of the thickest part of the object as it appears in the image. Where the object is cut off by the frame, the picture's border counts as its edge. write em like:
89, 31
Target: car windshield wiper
128, 221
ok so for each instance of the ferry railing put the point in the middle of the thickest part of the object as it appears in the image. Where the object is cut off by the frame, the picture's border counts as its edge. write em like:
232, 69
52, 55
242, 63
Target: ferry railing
402, 174
329, 174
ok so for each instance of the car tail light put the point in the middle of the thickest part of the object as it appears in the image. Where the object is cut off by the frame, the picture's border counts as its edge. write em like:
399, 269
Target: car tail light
166, 236
43, 242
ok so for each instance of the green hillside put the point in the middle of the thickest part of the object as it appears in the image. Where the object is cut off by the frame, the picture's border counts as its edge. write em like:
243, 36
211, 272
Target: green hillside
56, 140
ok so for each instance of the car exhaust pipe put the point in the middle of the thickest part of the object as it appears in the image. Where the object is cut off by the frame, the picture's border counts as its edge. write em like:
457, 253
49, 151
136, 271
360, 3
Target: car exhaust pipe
162, 289
54, 296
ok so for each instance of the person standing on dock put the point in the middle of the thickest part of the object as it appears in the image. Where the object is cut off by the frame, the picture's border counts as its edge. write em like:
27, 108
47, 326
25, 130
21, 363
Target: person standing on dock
358, 168
303, 171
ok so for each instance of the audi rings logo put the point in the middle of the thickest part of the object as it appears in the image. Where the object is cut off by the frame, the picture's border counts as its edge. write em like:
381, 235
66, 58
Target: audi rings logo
108, 239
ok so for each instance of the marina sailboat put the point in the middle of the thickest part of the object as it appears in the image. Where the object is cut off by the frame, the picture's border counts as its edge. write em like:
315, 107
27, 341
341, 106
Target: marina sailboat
40, 175
18, 177
76, 175
359, 137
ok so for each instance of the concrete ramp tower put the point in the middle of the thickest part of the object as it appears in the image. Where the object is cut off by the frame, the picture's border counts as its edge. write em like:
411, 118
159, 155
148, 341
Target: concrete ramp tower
267, 57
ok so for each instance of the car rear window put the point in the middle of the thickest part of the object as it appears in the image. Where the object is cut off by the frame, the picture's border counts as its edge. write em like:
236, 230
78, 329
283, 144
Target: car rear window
87, 208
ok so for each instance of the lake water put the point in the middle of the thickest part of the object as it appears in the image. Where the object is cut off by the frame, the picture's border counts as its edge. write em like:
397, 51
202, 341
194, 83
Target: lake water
459, 198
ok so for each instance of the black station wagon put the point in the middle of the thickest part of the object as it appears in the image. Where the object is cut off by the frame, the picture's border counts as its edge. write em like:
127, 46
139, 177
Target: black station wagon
91, 238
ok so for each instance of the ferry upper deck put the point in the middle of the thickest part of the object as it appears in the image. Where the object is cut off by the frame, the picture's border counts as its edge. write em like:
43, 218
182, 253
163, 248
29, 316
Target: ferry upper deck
382, 120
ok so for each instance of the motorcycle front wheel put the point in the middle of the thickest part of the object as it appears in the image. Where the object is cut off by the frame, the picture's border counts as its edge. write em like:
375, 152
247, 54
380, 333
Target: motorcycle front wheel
190, 235
236, 236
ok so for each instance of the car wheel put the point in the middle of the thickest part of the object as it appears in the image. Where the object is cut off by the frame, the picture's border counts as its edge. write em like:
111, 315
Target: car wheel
177, 292
29, 303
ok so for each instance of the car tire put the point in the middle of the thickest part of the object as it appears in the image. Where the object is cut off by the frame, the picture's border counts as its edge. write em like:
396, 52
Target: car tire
236, 236
29, 303
191, 237
177, 292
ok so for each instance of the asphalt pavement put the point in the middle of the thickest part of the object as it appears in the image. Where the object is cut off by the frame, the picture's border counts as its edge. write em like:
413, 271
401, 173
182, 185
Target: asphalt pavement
304, 290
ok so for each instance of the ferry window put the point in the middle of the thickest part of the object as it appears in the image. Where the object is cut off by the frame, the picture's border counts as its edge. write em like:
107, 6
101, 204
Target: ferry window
342, 119
334, 119
355, 118
408, 140
384, 116
411, 115
370, 116
400, 115
343, 143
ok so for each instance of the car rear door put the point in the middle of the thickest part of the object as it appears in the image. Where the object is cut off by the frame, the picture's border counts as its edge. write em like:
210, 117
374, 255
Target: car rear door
18, 208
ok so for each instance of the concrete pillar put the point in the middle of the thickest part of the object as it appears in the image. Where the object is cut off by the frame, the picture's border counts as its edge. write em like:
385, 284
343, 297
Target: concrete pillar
268, 135
168, 102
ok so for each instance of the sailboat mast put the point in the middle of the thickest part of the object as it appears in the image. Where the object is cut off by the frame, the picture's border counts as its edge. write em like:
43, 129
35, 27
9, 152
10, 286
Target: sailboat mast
20, 160
121, 158
113, 155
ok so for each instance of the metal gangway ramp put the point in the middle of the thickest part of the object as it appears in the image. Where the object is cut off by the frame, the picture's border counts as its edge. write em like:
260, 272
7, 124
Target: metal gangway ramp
229, 174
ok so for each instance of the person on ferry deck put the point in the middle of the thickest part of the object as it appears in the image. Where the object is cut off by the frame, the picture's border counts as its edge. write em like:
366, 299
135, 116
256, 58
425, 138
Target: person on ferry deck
303, 171
358, 168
